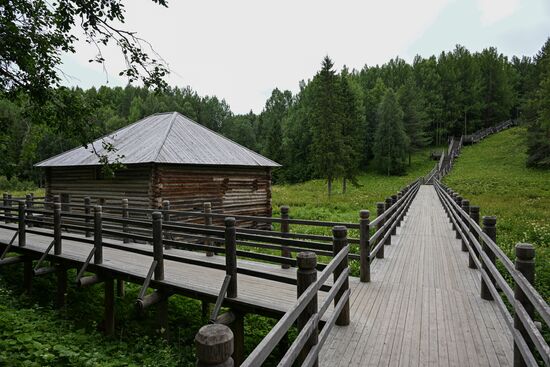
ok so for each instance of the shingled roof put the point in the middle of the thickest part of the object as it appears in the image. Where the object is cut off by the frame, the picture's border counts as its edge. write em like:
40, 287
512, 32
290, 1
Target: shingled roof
164, 138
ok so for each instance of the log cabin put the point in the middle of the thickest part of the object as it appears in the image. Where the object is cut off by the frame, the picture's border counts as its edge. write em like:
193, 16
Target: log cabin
165, 156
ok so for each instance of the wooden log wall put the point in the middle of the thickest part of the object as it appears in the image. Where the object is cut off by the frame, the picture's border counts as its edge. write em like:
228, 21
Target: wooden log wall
239, 191
132, 182
232, 190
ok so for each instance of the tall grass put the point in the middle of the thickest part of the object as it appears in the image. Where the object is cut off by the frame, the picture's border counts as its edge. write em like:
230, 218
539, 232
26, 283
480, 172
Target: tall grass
493, 175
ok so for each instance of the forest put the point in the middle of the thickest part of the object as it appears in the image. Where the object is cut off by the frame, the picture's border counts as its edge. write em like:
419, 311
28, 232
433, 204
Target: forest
340, 123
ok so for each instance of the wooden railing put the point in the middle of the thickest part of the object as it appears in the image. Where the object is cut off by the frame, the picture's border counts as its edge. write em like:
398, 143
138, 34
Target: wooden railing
483, 133
519, 305
119, 227
306, 313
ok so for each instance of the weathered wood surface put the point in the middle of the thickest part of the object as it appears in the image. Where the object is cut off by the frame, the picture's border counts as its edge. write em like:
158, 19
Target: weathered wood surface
254, 295
422, 306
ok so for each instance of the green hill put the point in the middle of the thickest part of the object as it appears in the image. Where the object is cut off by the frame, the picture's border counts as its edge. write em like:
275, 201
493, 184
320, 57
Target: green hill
493, 175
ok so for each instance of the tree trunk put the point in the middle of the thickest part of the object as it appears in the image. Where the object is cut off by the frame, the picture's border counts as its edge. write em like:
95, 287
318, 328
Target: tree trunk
410, 158
344, 185
329, 186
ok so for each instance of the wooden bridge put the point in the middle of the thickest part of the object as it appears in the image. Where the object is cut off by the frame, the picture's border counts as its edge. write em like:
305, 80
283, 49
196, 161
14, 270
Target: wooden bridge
429, 292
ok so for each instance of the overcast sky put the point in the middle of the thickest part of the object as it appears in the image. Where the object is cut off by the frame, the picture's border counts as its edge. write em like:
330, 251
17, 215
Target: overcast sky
240, 50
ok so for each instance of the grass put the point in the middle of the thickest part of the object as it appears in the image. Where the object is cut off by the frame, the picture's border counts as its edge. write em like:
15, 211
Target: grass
493, 175
309, 200
32, 334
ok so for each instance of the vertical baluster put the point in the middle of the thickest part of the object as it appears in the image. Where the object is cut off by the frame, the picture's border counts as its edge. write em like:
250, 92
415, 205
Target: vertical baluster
340, 240
231, 256
29, 199
489, 227
474, 214
525, 264
379, 211
166, 218
285, 228
21, 224
87, 212
207, 209
466, 208
388, 206
364, 247
307, 275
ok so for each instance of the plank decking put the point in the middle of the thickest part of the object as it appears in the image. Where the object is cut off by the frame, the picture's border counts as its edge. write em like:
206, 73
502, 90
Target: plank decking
422, 307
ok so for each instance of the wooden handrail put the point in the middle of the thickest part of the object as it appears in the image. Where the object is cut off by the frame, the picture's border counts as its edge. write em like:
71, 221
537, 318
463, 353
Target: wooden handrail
266, 346
464, 226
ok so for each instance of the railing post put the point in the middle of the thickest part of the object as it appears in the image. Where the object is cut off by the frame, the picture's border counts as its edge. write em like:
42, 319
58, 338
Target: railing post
340, 240
158, 255
525, 264
466, 208
9, 206
231, 256
207, 209
285, 228
400, 217
5, 205
489, 227
364, 247
379, 211
307, 275
166, 218
108, 284
474, 214
29, 198
98, 235
57, 228
393, 201
65, 200
125, 215
158, 251
459, 200
87, 212
214, 346
388, 206
21, 224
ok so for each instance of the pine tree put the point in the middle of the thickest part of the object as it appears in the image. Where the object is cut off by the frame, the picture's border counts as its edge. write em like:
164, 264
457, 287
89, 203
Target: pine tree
538, 146
373, 98
271, 134
352, 128
415, 118
496, 91
326, 120
391, 142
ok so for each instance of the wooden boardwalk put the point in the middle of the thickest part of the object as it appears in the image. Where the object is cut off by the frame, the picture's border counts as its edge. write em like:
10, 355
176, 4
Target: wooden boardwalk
262, 296
422, 307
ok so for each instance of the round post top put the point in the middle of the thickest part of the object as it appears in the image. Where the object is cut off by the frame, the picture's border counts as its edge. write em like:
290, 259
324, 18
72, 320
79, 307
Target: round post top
364, 214
489, 220
214, 344
157, 216
525, 251
284, 209
229, 221
339, 231
306, 260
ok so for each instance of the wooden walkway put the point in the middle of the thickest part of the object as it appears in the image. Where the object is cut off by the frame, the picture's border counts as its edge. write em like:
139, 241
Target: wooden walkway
258, 295
423, 306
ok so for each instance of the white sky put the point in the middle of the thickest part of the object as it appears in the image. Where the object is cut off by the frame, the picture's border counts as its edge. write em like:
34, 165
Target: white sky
240, 50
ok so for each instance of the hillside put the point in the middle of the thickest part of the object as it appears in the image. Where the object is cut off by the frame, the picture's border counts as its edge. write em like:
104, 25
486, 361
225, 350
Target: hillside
493, 175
